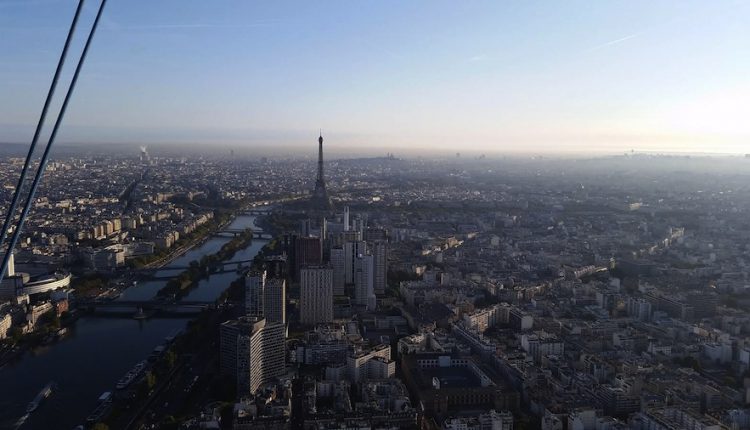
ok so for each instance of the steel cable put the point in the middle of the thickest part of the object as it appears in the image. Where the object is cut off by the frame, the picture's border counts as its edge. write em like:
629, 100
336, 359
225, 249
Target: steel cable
9, 217
50, 142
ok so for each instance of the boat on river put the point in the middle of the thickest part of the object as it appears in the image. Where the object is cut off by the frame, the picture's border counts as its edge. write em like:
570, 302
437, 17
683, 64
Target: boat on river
102, 409
46, 391
131, 376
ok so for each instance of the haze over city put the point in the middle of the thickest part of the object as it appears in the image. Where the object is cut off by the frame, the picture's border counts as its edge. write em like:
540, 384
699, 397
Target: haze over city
543, 77
385, 215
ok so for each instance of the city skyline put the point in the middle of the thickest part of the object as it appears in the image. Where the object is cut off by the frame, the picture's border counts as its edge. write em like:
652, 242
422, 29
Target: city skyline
147, 287
374, 215
486, 77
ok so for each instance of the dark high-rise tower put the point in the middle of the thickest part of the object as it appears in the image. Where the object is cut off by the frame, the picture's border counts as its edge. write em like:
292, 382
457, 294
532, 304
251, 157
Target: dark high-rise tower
320, 200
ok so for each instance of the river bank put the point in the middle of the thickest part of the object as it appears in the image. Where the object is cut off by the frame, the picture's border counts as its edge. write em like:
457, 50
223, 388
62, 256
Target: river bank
98, 286
200, 269
96, 352
201, 235
36, 339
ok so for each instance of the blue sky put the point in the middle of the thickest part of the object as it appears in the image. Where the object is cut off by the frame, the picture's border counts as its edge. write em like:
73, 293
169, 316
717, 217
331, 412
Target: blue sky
484, 75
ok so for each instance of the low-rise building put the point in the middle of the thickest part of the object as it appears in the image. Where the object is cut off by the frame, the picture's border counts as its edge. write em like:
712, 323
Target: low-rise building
5, 324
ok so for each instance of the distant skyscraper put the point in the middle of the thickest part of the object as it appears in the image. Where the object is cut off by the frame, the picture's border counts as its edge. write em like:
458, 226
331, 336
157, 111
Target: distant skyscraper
308, 251
253, 351
144, 155
265, 298
364, 293
275, 301
352, 249
316, 295
379, 251
255, 283
346, 218
320, 200
338, 262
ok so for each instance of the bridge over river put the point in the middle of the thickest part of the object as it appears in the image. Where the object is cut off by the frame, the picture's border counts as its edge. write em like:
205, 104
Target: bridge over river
147, 307
256, 212
174, 271
232, 232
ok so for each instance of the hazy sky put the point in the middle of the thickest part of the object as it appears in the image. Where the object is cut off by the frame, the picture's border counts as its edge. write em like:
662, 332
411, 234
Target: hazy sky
488, 75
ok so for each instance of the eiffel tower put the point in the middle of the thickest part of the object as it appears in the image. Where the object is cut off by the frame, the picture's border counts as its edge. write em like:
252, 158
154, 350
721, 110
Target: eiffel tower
320, 200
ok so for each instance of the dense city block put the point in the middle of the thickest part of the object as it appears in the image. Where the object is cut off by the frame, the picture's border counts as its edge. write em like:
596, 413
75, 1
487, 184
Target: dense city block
380, 293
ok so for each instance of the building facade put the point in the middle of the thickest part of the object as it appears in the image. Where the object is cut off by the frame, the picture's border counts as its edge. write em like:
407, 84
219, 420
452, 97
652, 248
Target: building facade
338, 263
316, 294
380, 269
265, 298
252, 351
255, 283
275, 301
364, 291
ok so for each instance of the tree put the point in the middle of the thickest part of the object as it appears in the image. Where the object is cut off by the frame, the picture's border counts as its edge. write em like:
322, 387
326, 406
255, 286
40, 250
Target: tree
15, 334
150, 380
170, 357
55, 321
169, 422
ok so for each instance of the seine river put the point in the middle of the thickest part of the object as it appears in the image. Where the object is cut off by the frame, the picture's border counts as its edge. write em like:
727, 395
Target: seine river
97, 351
